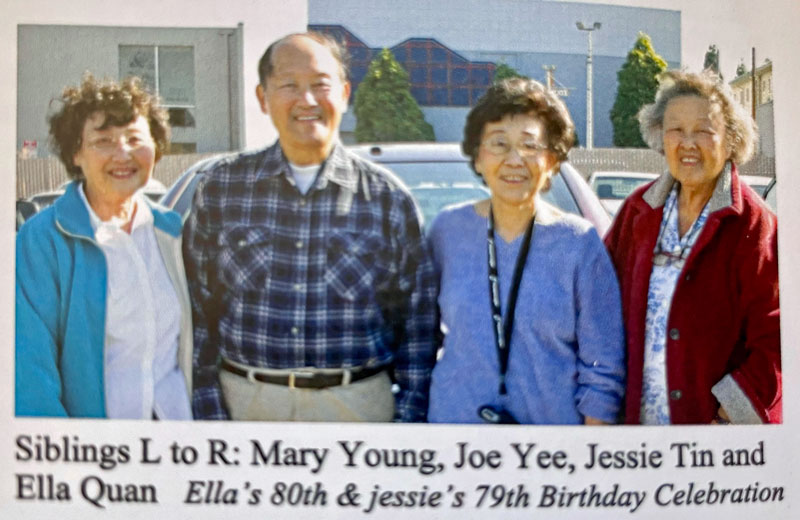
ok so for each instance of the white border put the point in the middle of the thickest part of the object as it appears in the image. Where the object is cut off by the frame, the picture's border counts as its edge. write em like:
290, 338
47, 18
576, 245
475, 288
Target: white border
777, 19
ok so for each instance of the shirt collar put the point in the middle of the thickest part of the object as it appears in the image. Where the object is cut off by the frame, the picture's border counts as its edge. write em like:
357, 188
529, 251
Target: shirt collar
141, 216
722, 196
337, 168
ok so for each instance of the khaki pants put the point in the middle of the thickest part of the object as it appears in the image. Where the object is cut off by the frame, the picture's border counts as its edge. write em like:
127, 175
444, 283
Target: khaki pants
366, 400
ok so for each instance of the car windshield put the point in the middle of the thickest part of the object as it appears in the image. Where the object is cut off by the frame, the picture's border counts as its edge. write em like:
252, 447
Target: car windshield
433, 183
771, 196
437, 184
44, 200
184, 201
616, 187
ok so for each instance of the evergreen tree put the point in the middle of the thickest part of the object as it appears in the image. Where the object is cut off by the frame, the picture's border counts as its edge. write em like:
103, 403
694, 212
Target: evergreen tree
505, 71
637, 82
384, 108
741, 69
711, 60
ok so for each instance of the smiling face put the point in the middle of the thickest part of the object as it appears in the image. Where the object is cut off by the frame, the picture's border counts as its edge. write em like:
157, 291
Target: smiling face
513, 159
305, 96
116, 160
695, 144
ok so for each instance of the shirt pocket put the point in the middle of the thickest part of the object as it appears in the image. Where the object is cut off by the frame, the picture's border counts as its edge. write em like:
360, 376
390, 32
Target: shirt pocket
245, 257
353, 263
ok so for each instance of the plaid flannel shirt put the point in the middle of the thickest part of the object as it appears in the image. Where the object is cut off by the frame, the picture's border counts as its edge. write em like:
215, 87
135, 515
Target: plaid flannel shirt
337, 278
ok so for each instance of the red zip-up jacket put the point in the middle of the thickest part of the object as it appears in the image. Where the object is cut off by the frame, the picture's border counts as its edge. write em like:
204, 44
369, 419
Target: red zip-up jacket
723, 331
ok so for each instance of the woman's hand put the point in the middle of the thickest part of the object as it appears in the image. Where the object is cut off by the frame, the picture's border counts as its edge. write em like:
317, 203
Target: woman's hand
722, 417
591, 421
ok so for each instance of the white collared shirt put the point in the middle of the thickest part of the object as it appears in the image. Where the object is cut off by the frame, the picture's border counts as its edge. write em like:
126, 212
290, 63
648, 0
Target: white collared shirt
142, 377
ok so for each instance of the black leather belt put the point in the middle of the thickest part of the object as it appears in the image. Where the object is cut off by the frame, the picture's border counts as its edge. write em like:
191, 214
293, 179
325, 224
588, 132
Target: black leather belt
301, 379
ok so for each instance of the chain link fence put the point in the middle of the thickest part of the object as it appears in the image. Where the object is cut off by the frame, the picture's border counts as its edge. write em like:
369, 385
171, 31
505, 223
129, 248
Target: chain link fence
648, 161
47, 174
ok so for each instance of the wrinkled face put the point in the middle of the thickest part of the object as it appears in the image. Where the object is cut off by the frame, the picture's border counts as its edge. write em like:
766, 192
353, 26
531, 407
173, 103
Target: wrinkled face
695, 144
117, 160
514, 159
305, 96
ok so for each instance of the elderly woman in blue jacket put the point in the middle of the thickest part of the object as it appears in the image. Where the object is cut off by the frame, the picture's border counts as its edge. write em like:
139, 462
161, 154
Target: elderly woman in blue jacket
103, 327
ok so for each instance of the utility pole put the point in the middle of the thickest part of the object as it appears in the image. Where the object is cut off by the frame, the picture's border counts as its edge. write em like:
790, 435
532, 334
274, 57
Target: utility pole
589, 106
753, 82
548, 70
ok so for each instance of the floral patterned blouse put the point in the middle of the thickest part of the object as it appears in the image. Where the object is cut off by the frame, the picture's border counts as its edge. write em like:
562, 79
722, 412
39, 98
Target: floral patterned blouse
669, 257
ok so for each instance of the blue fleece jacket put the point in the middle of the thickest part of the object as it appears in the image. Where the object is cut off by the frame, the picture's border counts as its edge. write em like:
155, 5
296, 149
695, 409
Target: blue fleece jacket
61, 278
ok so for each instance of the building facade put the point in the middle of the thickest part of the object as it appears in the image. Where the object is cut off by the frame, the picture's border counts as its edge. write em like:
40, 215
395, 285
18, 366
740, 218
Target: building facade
742, 86
196, 71
450, 49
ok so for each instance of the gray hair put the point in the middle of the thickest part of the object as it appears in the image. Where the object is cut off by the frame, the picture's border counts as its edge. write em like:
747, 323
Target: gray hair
741, 132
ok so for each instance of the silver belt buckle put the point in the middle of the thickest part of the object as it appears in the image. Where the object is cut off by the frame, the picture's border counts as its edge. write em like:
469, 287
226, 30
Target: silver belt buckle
293, 375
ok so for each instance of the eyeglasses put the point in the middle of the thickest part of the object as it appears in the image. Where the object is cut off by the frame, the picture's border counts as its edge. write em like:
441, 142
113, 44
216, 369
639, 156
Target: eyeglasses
109, 144
501, 146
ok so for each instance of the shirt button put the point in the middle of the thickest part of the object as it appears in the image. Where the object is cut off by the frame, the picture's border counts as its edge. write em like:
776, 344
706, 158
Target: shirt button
295, 331
675, 395
298, 287
298, 244
674, 334
302, 202
242, 243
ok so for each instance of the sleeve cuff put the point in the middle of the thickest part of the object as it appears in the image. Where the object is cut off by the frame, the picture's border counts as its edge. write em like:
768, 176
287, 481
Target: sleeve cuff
599, 405
735, 402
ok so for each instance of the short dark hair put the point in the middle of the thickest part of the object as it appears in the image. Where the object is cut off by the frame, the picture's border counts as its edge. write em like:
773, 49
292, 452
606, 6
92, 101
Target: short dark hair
520, 96
121, 103
337, 49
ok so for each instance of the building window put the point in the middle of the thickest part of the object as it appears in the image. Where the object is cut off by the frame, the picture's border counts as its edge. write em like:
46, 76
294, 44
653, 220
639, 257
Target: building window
179, 148
181, 117
167, 71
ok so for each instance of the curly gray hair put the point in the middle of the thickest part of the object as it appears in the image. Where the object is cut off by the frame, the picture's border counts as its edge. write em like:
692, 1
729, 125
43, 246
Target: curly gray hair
741, 131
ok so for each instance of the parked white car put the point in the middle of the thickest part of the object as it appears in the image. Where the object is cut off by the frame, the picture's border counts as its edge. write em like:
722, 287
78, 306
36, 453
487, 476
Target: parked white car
757, 182
613, 187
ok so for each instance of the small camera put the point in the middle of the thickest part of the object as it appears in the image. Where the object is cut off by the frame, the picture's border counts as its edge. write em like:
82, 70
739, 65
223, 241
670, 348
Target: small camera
495, 415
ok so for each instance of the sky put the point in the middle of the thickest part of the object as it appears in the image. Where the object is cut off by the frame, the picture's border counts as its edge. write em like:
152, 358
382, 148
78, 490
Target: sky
734, 26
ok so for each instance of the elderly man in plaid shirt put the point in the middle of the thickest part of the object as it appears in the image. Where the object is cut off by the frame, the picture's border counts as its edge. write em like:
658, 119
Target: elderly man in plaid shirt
312, 289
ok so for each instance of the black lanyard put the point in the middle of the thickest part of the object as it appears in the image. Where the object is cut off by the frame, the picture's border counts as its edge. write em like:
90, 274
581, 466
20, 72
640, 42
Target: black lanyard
502, 330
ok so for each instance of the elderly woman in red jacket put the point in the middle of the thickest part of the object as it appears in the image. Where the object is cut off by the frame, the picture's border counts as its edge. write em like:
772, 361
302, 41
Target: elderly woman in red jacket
697, 259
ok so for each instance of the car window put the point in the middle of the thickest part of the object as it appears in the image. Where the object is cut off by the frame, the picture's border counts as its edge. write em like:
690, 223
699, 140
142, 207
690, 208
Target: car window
432, 199
616, 188
771, 196
434, 185
437, 184
759, 188
45, 200
184, 201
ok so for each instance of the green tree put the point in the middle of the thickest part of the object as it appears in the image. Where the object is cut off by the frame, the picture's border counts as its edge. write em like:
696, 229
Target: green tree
637, 82
505, 71
711, 60
384, 107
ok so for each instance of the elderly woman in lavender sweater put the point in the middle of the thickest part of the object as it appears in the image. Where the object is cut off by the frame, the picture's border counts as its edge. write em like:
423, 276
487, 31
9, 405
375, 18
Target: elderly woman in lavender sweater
529, 302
